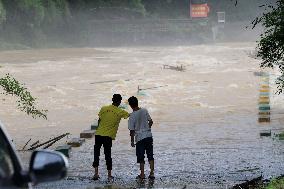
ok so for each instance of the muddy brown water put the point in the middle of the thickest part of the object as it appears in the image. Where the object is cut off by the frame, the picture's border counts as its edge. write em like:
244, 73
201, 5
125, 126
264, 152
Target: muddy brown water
206, 133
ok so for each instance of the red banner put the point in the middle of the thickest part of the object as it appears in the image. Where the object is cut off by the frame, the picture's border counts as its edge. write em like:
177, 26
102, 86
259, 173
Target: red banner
199, 10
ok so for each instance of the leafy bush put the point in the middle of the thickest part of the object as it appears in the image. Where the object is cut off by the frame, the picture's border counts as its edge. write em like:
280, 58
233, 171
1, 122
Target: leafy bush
26, 102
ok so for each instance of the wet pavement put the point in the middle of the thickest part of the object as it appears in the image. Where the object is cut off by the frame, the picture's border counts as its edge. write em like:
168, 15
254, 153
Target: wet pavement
206, 130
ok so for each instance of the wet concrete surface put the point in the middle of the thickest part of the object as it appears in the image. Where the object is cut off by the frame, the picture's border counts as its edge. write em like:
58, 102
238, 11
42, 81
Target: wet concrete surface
206, 133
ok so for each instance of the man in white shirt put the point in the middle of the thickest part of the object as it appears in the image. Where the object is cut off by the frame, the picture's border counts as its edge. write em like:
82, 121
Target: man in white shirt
140, 124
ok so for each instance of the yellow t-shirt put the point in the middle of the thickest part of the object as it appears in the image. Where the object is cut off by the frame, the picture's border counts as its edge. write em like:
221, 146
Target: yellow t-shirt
110, 117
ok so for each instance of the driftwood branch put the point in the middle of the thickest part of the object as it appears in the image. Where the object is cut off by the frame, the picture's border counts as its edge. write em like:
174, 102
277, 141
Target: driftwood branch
59, 138
26, 144
49, 141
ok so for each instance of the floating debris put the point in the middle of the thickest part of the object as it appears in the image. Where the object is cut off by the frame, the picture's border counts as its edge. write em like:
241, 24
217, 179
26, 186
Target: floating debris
49, 142
176, 68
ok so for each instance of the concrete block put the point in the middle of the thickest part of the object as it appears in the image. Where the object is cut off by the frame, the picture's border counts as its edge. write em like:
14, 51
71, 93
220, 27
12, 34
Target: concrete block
87, 134
263, 102
265, 76
264, 116
264, 94
64, 149
264, 90
265, 133
264, 98
264, 112
264, 108
76, 142
94, 126
264, 86
264, 105
265, 82
259, 74
263, 120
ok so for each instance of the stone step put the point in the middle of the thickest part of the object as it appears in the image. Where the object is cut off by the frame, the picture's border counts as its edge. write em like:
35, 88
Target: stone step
264, 107
264, 112
264, 102
262, 74
264, 90
64, 149
76, 142
265, 133
264, 116
265, 78
264, 94
264, 86
266, 81
87, 134
94, 126
263, 120
264, 98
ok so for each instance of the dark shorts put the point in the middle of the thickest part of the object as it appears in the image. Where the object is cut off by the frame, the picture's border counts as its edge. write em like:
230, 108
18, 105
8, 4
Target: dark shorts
144, 145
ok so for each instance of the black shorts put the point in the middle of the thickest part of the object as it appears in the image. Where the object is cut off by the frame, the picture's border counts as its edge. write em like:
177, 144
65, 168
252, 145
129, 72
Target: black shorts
144, 145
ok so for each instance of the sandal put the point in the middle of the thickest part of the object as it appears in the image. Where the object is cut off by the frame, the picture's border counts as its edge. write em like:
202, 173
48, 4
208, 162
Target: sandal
96, 177
151, 177
139, 177
110, 178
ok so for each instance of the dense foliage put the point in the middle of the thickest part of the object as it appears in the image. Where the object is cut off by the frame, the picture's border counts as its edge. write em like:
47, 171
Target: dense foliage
26, 102
271, 45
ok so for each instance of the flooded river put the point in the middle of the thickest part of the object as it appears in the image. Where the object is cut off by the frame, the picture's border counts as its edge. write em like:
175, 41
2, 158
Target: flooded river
206, 130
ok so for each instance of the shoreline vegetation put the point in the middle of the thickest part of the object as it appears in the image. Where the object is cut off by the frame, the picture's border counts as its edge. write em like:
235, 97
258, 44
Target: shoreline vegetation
259, 183
34, 24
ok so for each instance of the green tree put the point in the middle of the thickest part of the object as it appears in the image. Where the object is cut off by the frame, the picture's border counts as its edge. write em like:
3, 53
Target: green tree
271, 44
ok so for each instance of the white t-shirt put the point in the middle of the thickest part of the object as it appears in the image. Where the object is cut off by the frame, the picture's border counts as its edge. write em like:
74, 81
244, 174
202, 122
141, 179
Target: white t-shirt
138, 121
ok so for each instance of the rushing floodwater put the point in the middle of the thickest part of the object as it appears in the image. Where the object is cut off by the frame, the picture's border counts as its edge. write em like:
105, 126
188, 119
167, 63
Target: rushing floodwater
206, 133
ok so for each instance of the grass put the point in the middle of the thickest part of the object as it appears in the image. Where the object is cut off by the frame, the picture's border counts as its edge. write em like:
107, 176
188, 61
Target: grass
280, 136
276, 184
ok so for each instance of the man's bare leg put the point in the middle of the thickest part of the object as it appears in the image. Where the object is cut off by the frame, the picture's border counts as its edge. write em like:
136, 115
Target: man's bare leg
151, 167
96, 176
152, 175
142, 174
109, 174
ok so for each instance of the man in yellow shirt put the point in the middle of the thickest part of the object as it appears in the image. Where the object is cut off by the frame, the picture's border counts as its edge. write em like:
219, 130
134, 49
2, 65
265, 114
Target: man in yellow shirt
109, 119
